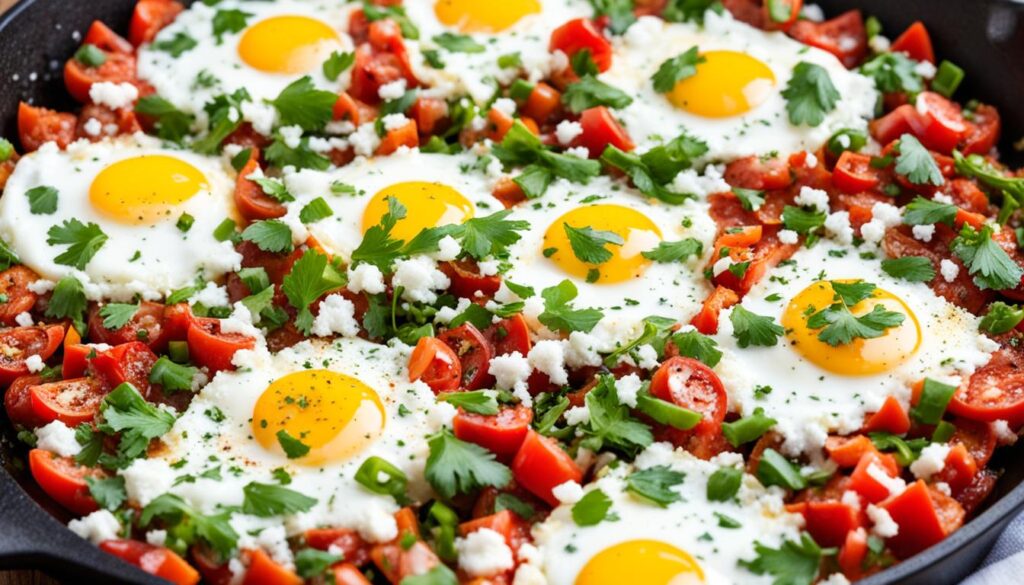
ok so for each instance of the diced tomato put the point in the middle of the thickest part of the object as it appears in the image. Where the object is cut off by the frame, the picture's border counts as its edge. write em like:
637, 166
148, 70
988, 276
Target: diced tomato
103, 37
959, 470
429, 114
983, 131
37, 126
510, 335
276, 265
754, 173
63, 480
345, 540
542, 103
466, 280
347, 109
212, 349
938, 123
748, 11
915, 42
72, 402
924, 515
853, 173
18, 402
508, 192
79, 78
977, 437
514, 529
862, 481
829, 522
405, 135
541, 465
76, 360
893, 125
600, 130
994, 392
177, 318
374, 69
397, 560
155, 560
706, 321
978, 492
891, 418
124, 120
690, 384
128, 362
20, 343
843, 36
251, 201
501, 434
852, 554
14, 287
213, 569
146, 325
348, 574
848, 451
740, 237
435, 364
474, 354
579, 34
150, 17
262, 570
775, 9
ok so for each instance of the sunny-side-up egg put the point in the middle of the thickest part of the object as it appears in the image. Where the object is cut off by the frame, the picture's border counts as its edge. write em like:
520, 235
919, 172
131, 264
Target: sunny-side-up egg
346, 401
435, 189
146, 212
628, 286
690, 541
499, 31
734, 101
259, 46
812, 387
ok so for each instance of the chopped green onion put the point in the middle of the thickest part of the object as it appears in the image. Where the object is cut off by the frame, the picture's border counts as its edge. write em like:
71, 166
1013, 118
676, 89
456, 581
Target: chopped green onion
225, 231
6, 150
520, 90
444, 534
178, 351
943, 432
185, 222
667, 413
935, 396
90, 55
747, 429
846, 139
774, 469
381, 477
947, 78
724, 483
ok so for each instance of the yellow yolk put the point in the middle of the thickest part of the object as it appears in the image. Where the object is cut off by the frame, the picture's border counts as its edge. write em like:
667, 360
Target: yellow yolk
639, 234
426, 204
478, 16
861, 357
287, 44
145, 189
727, 84
641, 561
335, 415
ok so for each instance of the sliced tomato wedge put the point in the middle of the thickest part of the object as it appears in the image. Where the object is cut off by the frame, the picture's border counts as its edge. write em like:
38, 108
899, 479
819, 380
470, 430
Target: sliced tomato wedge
982, 131
37, 126
925, 517
474, 354
706, 321
18, 402
843, 36
212, 349
466, 280
891, 418
541, 465
155, 560
863, 481
105, 38
128, 362
435, 364
262, 570
345, 540
690, 384
754, 173
79, 78
14, 287
72, 402
601, 130
848, 451
994, 392
829, 522
853, 173
579, 34
852, 554
146, 325
510, 335
252, 202
406, 135
63, 480
502, 433
939, 122
150, 17
20, 343
915, 42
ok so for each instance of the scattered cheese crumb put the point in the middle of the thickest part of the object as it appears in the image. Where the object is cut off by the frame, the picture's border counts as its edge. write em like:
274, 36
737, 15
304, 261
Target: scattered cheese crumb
569, 492
365, 278
924, 232
113, 95
57, 437
931, 461
567, 131
96, 527
24, 319
811, 197
548, 357
337, 315
949, 269
34, 363
484, 553
883, 524
788, 236
393, 90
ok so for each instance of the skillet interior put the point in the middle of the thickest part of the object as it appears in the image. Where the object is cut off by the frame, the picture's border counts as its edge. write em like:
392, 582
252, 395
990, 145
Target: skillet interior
985, 37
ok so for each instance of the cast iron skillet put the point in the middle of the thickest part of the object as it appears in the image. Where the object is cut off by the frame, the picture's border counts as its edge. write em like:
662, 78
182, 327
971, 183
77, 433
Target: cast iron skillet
985, 37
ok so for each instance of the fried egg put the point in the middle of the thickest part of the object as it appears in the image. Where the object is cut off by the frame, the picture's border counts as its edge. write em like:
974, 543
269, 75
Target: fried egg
627, 286
345, 401
435, 189
498, 29
157, 208
734, 101
688, 542
813, 388
271, 45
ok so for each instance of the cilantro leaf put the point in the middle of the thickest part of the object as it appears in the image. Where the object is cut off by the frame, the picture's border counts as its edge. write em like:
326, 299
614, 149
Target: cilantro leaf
281, 155
269, 235
302, 104
839, 326
668, 252
977, 166
676, 69
68, 300
590, 92
108, 492
654, 484
42, 200
265, 500
171, 123
83, 241
641, 175
619, 12
337, 63
665, 161
750, 199
559, 315
490, 235
752, 329
698, 346
893, 73
916, 163
809, 94
589, 244
477, 401
311, 277
802, 221
611, 425
986, 261
793, 563
690, 10
314, 211
456, 43
117, 315
7, 256
310, 562
923, 211
293, 448
215, 530
520, 147
177, 45
225, 116
171, 376
274, 189
910, 268
229, 21
592, 509
457, 467
124, 411
852, 292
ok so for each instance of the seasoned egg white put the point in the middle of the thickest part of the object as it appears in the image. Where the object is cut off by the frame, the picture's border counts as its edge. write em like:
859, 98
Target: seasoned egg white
141, 196
829, 389
685, 542
734, 102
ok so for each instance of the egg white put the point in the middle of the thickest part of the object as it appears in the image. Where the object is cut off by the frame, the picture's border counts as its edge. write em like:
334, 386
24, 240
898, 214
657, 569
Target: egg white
808, 401
651, 118
690, 524
167, 258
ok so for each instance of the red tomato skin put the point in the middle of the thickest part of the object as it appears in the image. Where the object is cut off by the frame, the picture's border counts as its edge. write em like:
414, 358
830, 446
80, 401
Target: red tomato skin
853, 173
601, 130
155, 560
263, 570
355, 549
150, 17
578, 34
540, 465
63, 480
251, 201
843, 36
501, 434
915, 42
510, 336
466, 280
701, 391
147, 325
891, 418
37, 126
22, 342
18, 402
435, 364
14, 285
864, 484
212, 349
474, 353
128, 362
829, 522
914, 511
72, 402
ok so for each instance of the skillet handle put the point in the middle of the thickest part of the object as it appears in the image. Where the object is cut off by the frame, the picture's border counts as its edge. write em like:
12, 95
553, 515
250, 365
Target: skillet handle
30, 538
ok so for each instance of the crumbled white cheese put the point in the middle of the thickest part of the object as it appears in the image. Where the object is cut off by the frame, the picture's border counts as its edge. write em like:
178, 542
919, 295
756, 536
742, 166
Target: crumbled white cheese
505, 106
157, 537
393, 90
924, 232
931, 461
647, 357
895, 485
56, 437
577, 415
581, 350
365, 278
96, 527
146, 479
1004, 434
34, 363
364, 140
261, 116
569, 492
93, 127
212, 295
419, 278
811, 197
925, 69
626, 389
788, 236
41, 286
448, 249
484, 553
548, 357
883, 217
113, 95
578, 152
511, 371
879, 44
835, 579
24, 319
394, 121
837, 226
949, 270
337, 315
291, 135
811, 160
813, 12
942, 198
882, 523
567, 131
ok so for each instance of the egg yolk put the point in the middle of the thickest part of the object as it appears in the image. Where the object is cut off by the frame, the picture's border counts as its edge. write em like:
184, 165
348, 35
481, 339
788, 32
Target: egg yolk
860, 357
426, 205
145, 189
477, 16
287, 44
335, 415
639, 234
727, 83
641, 561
